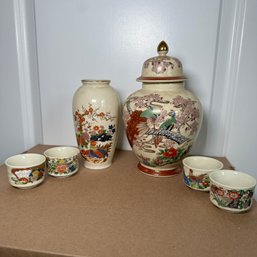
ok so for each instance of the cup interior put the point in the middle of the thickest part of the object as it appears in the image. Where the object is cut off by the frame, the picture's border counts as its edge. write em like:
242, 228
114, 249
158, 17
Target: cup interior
61, 152
25, 160
202, 163
233, 179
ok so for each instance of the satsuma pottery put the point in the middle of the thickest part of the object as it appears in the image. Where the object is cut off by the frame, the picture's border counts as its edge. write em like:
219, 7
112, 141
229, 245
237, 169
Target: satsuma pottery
26, 170
62, 161
232, 190
196, 170
162, 120
96, 110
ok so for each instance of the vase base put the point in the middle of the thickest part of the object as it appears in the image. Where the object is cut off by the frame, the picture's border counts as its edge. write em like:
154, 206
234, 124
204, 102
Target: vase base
97, 166
155, 172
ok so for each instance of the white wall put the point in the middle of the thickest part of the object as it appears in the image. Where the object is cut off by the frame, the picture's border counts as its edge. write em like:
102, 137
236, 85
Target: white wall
11, 135
241, 145
20, 107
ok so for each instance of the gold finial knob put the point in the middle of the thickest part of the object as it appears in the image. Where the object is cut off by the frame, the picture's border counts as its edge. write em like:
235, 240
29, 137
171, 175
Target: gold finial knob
162, 48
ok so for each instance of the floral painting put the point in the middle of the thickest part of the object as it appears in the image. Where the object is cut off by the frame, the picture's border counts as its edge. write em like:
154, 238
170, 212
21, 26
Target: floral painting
156, 125
200, 182
161, 64
62, 167
94, 132
236, 199
28, 175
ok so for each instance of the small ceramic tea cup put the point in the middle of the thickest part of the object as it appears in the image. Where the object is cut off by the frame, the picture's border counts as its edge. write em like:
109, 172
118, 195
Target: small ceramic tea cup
196, 171
62, 161
232, 190
26, 170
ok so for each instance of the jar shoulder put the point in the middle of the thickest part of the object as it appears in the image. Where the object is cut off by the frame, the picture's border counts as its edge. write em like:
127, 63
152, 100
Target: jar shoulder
104, 98
164, 94
99, 92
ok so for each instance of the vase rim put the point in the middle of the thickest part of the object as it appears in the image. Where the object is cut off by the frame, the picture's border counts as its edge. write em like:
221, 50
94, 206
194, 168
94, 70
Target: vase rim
95, 81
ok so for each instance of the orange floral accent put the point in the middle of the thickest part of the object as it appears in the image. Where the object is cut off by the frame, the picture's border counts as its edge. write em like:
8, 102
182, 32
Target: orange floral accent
220, 192
92, 143
172, 152
234, 195
205, 183
61, 168
24, 180
96, 127
84, 152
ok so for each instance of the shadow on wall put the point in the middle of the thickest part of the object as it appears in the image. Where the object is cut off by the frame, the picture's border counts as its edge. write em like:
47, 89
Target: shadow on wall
200, 143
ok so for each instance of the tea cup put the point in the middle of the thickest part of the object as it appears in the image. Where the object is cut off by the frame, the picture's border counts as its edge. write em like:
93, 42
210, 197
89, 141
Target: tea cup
196, 171
26, 170
232, 190
62, 161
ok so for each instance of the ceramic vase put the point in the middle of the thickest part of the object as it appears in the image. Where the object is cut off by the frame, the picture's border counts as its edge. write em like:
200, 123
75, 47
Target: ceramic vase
96, 108
162, 120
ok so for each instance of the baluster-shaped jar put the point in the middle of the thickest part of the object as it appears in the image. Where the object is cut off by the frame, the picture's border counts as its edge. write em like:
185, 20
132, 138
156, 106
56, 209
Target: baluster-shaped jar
96, 108
162, 120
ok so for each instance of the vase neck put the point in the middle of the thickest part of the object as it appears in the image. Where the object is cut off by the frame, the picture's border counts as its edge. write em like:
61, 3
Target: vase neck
163, 86
96, 82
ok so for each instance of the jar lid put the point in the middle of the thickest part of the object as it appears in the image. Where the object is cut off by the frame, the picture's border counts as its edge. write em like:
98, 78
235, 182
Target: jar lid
162, 68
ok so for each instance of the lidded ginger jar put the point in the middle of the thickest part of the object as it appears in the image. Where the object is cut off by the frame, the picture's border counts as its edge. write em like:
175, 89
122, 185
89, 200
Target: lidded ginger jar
163, 119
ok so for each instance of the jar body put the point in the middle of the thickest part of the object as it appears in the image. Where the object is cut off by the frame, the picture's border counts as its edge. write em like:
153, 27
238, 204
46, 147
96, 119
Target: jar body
162, 121
96, 108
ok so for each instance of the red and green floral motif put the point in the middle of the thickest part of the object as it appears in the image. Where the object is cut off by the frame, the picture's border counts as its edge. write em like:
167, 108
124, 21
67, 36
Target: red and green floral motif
62, 167
235, 199
156, 125
94, 133
164, 157
200, 182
